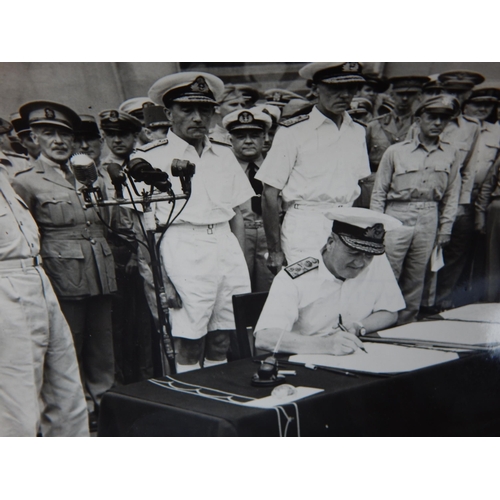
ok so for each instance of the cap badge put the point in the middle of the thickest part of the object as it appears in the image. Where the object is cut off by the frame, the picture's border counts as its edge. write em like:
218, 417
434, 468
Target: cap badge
277, 97
200, 85
49, 113
113, 116
350, 67
147, 104
375, 232
245, 117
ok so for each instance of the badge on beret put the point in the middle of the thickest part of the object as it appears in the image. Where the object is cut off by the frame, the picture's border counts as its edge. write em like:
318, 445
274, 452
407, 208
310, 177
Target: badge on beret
200, 85
350, 67
113, 116
49, 113
245, 117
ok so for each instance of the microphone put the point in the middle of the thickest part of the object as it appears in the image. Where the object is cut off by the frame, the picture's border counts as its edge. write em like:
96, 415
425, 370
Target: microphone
84, 169
118, 178
142, 171
267, 375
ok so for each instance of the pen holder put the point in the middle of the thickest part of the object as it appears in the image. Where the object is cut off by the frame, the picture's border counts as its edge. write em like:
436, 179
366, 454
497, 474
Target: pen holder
267, 375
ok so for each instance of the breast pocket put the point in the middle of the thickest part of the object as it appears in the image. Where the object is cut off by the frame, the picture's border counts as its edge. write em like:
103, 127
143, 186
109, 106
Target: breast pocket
405, 173
56, 209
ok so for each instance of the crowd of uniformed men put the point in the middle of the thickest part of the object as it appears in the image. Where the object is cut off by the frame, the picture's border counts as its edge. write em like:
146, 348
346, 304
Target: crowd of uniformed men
269, 166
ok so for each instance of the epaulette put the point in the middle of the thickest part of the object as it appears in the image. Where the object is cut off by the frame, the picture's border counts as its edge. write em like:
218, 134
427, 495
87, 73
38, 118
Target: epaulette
294, 120
302, 267
152, 145
471, 119
220, 143
24, 170
359, 122
16, 155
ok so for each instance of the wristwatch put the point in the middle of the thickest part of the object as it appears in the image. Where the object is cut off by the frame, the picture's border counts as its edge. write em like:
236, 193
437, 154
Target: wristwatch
362, 330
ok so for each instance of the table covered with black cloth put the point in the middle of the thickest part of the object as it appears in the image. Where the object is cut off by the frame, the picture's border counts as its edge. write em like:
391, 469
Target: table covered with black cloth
458, 398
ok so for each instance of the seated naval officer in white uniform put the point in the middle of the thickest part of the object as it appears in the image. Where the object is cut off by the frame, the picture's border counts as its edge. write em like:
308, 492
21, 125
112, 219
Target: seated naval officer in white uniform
350, 284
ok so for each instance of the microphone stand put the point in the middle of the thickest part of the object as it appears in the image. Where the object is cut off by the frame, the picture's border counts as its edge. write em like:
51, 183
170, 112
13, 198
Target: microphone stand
165, 328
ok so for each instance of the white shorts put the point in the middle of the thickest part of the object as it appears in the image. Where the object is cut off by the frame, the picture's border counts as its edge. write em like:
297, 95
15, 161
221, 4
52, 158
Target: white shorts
207, 267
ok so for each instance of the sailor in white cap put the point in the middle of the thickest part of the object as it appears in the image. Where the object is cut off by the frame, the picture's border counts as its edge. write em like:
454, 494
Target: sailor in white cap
202, 250
350, 284
315, 163
247, 132
418, 182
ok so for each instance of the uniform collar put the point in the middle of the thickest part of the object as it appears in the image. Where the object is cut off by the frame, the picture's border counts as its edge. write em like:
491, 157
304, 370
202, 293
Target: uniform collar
417, 144
112, 158
47, 162
177, 142
325, 275
317, 118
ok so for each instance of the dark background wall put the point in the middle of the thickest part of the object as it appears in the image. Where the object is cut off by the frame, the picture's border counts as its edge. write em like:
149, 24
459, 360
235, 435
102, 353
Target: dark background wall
92, 87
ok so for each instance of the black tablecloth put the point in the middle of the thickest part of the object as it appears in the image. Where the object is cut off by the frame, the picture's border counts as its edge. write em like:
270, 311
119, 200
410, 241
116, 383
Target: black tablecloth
458, 398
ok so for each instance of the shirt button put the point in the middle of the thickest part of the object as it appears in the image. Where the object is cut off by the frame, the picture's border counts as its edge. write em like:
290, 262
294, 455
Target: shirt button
93, 241
88, 223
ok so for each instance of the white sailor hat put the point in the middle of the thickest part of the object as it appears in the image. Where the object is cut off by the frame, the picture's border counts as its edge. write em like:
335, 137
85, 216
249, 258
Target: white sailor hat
362, 229
247, 119
189, 86
270, 109
332, 72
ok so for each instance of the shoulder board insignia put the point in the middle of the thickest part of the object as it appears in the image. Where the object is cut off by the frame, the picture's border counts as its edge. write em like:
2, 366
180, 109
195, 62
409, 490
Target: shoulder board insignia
470, 119
359, 122
220, 143
294, 120
24, 170
16, 155
152, 145
302, 267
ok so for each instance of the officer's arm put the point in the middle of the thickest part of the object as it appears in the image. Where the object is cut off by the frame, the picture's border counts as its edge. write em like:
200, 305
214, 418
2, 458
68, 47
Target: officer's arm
271, 218
379, 320
237, 225
339, 343
383, 180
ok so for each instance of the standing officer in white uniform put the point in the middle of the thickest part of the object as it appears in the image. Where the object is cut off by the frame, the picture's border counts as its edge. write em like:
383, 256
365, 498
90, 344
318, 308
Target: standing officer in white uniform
315, 162
202, 258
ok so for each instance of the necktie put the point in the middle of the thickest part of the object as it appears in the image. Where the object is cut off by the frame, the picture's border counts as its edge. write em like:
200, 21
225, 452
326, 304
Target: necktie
257, 187
68, 174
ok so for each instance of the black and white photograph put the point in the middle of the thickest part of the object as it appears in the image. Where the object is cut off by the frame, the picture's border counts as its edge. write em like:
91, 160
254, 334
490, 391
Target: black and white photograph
250, 249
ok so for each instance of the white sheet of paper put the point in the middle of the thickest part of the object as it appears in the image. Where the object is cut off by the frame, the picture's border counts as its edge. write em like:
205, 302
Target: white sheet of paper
462, 332
379, 358
272, 401
485, 313
437, 261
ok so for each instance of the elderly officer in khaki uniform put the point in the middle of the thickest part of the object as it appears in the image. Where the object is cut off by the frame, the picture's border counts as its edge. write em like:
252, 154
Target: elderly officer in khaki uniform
39, 379
202, 250
75, 253
418, 183
315, 163
247, 131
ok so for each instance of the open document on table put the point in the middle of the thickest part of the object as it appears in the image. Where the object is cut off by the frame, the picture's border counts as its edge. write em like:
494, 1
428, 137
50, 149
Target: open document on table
379, 358
465, 333
482, 313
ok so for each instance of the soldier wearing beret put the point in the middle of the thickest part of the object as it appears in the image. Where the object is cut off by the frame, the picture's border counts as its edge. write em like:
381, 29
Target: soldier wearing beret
89, 140
247, 131
315, 163
418, 183
75, 253
201, 251
156, 124
350, 284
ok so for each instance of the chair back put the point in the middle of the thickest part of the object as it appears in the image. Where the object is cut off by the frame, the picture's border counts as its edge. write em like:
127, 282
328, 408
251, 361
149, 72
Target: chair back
247, 308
